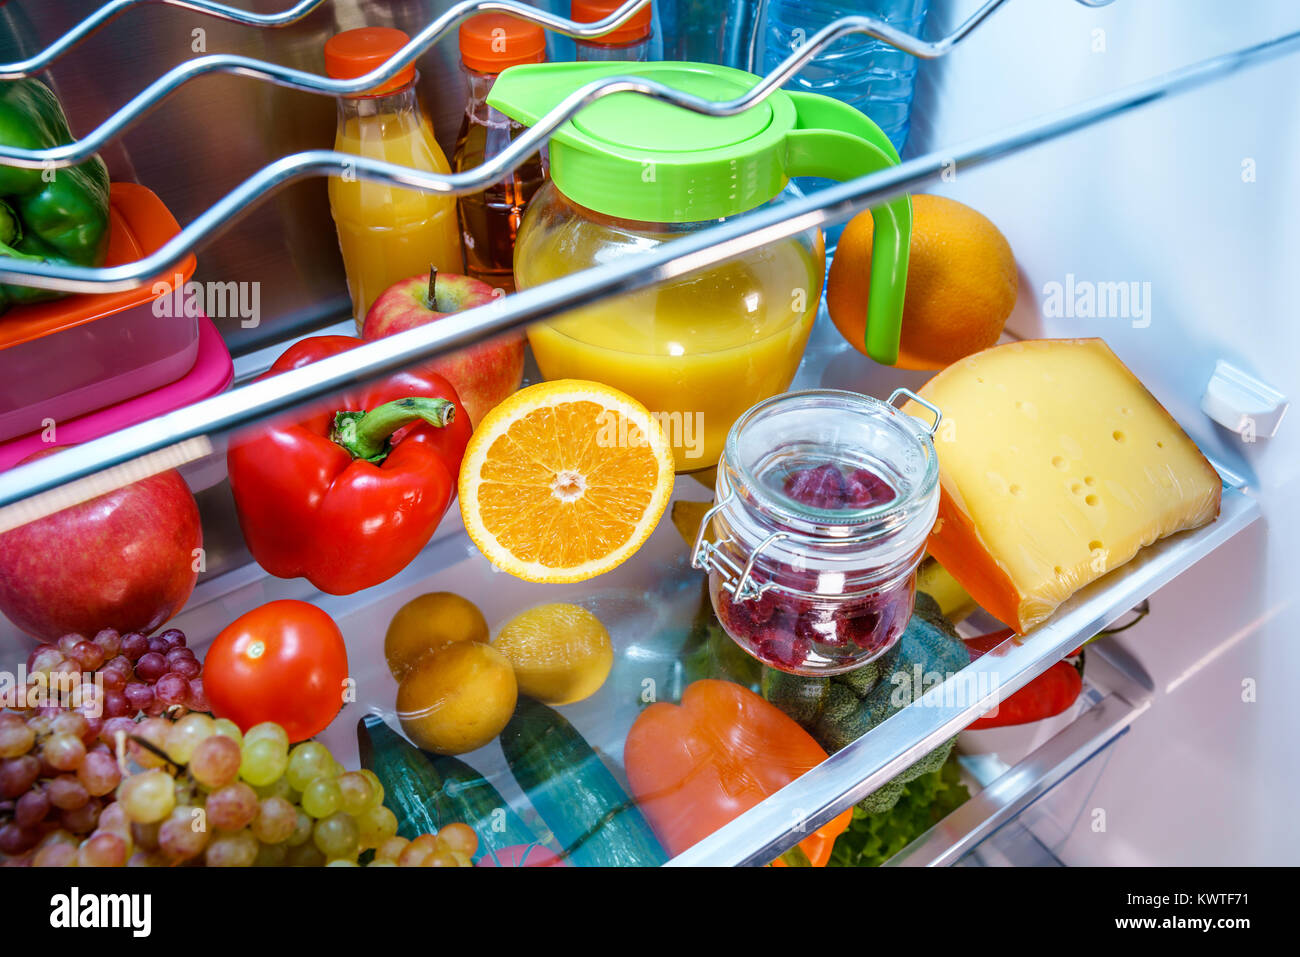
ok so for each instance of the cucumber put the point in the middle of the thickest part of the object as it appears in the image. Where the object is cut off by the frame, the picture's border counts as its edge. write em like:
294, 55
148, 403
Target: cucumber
593, 819
426, 791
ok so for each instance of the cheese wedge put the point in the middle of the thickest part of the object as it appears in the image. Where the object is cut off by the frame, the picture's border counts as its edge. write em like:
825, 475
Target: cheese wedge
1056, 466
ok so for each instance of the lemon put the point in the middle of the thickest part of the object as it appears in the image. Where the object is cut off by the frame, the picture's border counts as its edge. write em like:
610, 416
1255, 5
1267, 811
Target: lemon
427, 623
561, 653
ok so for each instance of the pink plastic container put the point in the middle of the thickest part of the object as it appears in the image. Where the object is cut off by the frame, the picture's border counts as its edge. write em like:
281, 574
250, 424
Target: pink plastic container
63, 359
210, 374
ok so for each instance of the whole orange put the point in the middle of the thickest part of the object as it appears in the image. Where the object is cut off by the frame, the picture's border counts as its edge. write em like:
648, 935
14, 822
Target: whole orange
961, 283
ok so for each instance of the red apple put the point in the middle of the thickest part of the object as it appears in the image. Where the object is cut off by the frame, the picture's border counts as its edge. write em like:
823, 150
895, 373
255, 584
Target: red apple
124, 560
482, 374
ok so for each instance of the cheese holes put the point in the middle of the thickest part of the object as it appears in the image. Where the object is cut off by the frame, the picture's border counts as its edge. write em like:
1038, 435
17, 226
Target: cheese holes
1091, 499
1089, 481
1117, 435
1095, 546
1058, 462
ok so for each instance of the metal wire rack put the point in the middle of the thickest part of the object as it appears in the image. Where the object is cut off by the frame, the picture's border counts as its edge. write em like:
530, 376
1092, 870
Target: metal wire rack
68, 278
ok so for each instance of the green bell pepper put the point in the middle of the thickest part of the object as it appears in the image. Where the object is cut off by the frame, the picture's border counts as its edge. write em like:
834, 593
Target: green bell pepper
47, 215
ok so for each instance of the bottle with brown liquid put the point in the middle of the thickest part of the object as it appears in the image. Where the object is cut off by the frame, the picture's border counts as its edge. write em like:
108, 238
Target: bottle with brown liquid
489, 43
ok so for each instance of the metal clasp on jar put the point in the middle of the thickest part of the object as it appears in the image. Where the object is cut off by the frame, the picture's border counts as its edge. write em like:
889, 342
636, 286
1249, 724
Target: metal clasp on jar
708, 556
924, 403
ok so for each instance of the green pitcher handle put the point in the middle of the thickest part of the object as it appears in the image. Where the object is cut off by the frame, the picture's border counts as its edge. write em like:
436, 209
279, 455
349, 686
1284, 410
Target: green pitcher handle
834, 140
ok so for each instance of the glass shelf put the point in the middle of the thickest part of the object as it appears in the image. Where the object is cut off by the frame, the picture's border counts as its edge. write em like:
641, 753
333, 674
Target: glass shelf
650, 605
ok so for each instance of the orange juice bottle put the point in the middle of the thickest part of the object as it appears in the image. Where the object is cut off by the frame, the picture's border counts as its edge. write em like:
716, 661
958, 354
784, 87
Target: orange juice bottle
386, 233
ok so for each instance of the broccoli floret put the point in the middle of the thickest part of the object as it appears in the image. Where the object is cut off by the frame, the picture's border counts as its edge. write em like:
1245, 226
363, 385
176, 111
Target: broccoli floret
861, 680
884, 797
842, 720
839, 710
932, 761
800, 697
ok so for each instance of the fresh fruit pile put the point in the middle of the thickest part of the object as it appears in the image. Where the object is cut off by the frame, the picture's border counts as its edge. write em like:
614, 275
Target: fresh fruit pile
193, 791
56, 771
138, 674
456, 690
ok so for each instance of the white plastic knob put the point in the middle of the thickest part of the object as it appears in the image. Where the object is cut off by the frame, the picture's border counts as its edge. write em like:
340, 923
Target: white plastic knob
1242, 403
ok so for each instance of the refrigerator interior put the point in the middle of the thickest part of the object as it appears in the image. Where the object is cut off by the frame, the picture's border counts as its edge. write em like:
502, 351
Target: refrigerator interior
1185, 201
1187, 196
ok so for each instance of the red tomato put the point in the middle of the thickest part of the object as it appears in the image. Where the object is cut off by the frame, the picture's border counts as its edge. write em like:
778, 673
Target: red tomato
284, 662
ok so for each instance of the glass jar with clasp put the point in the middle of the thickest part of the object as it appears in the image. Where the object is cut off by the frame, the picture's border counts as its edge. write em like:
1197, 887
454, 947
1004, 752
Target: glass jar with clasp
824, 502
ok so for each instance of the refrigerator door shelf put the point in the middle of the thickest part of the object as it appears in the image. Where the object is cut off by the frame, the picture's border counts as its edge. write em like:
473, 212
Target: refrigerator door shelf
763, 833
1112, 699
649, 605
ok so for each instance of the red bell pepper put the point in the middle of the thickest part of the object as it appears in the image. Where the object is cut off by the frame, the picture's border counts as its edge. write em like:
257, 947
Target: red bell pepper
348, 496
694, 767
1046, 696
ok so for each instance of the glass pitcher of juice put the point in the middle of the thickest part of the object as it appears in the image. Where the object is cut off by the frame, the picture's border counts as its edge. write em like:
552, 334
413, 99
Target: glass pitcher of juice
630, 173
386, 233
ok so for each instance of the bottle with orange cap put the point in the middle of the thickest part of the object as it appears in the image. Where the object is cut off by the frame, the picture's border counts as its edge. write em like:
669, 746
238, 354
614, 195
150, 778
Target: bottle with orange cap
386, 233
630, 42
489, 44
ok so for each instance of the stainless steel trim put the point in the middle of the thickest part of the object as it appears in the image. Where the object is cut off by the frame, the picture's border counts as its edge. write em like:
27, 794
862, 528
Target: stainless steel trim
763, 833
1039, 772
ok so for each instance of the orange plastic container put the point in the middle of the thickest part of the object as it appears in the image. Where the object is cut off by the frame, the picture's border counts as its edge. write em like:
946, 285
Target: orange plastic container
65, 358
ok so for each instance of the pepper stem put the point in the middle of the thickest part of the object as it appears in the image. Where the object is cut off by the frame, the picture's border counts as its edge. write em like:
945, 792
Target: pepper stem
366, 434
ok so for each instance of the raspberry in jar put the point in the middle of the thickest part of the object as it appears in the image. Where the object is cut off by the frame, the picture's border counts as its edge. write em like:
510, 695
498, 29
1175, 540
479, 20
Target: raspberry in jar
824, 502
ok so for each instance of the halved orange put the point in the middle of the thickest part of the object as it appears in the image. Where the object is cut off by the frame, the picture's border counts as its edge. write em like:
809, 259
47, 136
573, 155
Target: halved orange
564, 480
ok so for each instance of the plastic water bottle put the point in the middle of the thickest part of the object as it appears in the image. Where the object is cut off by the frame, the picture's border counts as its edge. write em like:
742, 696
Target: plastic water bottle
859, 70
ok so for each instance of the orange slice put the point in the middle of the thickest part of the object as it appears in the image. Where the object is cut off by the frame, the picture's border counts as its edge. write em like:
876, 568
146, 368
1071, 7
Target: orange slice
564, 480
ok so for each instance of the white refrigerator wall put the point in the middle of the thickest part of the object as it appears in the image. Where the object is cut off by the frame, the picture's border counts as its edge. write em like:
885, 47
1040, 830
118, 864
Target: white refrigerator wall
1194, 202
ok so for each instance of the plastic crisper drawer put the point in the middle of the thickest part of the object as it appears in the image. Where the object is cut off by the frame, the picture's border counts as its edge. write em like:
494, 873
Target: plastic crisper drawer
71, 356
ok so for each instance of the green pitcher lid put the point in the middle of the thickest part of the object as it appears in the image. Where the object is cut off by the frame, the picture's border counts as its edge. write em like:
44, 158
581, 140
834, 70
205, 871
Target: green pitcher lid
635, 157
